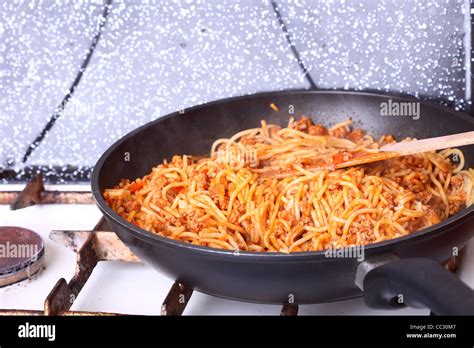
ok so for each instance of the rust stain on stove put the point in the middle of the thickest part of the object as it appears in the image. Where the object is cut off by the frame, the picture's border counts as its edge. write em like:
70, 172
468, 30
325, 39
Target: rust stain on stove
30, 195
107, 245
289, 310
64, 294
176, 300
35, 193
27, 312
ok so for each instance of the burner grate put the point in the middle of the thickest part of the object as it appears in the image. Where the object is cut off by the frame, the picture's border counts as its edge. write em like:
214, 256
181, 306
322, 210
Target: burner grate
35, 193
101, 244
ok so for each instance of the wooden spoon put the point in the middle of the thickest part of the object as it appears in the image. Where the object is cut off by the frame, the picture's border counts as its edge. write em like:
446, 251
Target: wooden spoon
405, 148
389, 151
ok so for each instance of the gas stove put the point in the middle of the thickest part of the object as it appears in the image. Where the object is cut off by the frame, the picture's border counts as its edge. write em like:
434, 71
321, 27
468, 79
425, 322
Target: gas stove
77, 76
89, 275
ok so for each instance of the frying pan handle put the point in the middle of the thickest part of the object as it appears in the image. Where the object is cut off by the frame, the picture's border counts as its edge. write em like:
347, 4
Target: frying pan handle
416, 282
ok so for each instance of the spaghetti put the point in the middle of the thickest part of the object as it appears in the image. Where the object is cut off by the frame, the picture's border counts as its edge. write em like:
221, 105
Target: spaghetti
273, 189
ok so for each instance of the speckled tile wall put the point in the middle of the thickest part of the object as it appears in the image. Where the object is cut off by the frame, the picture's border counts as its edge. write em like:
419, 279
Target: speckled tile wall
413, 47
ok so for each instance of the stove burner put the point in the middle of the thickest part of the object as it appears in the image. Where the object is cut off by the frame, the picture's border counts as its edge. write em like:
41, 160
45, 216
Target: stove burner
21, 254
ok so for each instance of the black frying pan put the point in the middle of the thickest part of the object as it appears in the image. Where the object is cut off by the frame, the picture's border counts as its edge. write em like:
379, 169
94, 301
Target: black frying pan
407, 266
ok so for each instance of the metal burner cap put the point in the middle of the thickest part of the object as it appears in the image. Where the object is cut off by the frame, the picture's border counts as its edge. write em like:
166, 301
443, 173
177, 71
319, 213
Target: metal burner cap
21, 254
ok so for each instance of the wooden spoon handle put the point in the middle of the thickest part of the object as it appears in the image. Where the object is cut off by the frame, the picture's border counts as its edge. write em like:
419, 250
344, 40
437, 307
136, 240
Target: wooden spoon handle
430, 144
391, 151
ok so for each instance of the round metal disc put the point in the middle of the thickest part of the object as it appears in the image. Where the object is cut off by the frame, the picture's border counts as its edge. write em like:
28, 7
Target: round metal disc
21, 254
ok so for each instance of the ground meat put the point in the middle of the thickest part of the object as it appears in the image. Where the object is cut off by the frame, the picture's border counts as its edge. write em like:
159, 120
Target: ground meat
237, 211
455, 207
433, 217
390, 197
356, 135
274, 130
160, 181
424, 197
340, 132
202, 181
178, 161
397, 179
457, 181
288, 217
305, 207
317, 129
302, 124
342, 157
132, 206
352, 237
248, 140
159, 200
415, 182
387, 139
413, 161
190, 219
217, 190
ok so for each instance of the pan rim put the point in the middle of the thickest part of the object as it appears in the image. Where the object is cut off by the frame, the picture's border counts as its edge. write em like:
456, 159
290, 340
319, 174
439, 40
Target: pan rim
151, 237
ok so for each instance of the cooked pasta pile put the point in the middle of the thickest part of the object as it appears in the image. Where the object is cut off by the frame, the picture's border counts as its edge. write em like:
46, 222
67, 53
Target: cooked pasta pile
275, 189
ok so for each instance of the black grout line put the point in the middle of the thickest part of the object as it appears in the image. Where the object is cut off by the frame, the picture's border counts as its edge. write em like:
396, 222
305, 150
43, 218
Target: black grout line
60, 108
292, 46
470, 107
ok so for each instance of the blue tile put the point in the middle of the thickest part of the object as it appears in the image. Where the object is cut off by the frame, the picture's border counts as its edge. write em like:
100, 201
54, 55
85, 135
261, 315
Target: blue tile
160, 57
42, 45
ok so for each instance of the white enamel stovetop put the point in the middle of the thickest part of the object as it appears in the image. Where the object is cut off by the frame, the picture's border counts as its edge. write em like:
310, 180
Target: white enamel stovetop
135, 288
